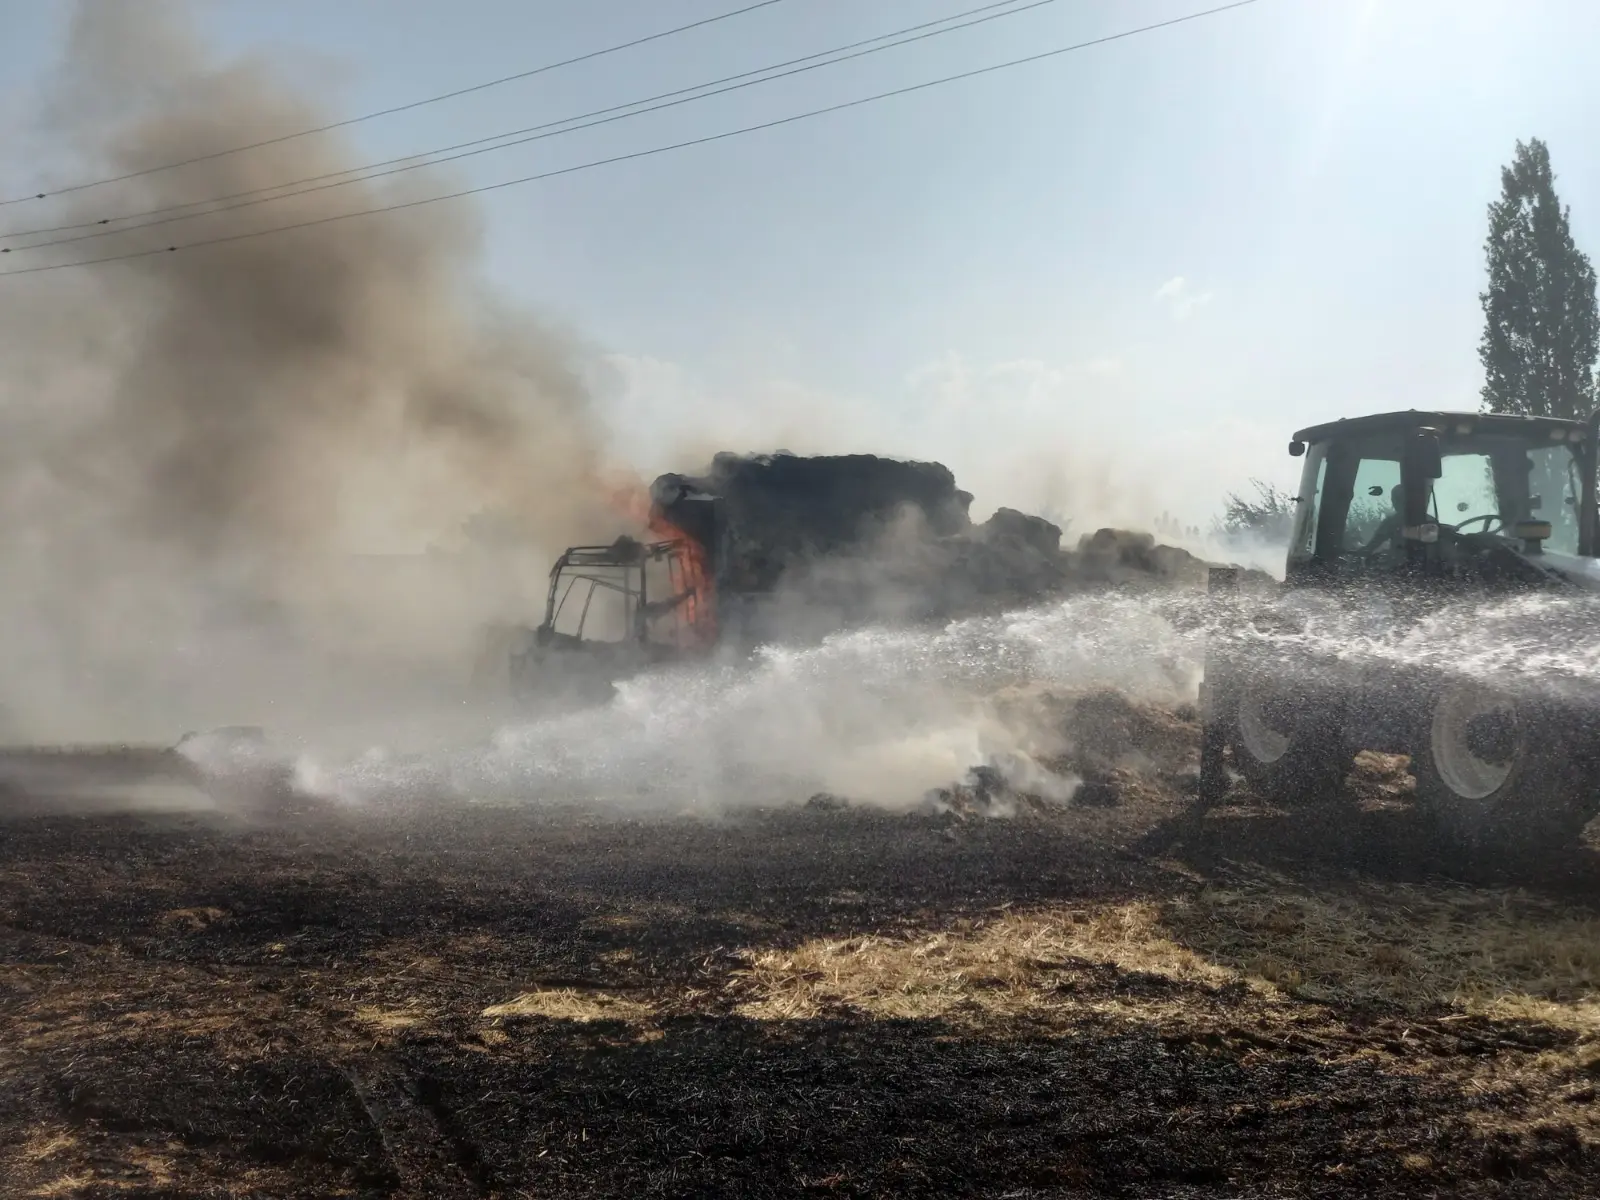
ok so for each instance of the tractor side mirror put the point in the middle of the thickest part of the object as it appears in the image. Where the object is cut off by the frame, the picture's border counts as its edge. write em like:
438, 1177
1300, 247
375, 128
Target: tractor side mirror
1297, 449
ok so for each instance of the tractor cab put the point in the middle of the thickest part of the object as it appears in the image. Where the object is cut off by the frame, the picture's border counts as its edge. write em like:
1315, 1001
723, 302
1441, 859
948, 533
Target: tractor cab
1399, 516
611, 610
1460, 495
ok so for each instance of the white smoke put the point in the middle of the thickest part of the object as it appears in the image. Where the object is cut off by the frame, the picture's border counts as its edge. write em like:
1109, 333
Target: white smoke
878, 716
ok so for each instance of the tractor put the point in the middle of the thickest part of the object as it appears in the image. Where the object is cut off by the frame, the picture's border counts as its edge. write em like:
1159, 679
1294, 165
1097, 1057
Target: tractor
1407, 527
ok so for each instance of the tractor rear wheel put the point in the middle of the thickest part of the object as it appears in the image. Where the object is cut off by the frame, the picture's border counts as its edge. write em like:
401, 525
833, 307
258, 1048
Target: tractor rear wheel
1497, 773
1289, 749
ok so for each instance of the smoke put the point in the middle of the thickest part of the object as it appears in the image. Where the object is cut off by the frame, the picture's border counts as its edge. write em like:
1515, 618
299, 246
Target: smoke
879, 716
890, 717
1098, 444
222, 467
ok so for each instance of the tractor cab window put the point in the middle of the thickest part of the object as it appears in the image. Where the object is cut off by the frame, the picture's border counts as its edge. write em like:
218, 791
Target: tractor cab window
1372, 519
1555, 491
594, 604
1465, 491
1488, 483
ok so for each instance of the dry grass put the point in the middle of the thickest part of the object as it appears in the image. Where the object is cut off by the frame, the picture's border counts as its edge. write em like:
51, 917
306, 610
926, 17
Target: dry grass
1492, 953
65, 1185
390, 1020
45, 1143
132, 1168
1419, 949
1014, 965
569, 1004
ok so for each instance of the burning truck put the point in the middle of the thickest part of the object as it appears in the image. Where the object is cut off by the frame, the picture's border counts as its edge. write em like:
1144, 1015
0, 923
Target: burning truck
766, 547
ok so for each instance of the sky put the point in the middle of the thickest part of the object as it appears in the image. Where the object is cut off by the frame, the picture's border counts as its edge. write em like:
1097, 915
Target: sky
1110, 283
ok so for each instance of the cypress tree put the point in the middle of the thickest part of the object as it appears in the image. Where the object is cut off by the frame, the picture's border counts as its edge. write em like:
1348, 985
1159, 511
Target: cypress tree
1541, 331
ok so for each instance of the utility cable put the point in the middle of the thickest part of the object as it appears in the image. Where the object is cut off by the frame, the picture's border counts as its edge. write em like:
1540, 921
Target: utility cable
534, 133
398, 108
655, 150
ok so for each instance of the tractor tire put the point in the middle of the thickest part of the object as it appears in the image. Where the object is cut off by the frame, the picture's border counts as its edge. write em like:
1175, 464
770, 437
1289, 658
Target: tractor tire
1288, 745
1495, 773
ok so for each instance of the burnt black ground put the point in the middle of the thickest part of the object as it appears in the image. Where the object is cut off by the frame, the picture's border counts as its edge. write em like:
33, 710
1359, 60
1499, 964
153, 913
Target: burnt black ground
185, 998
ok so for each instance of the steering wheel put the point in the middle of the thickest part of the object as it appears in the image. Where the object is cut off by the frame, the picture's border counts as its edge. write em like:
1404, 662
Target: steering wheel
1485, 518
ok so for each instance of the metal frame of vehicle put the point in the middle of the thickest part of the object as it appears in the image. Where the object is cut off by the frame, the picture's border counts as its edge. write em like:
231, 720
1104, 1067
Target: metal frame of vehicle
562, 666
620, 567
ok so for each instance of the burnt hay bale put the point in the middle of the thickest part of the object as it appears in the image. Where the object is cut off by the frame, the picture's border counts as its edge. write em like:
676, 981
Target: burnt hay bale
1007, 524
781, 510
873, 538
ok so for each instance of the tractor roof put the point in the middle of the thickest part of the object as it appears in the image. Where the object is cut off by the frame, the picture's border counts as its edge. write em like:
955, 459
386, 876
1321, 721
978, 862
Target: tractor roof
1399, 422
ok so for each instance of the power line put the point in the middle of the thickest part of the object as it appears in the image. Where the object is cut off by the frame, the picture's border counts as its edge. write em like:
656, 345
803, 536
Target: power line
638, 154
512, 133
398, 108
533, 133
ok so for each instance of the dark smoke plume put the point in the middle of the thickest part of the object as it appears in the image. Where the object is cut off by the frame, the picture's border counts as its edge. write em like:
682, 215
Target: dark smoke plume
203, 449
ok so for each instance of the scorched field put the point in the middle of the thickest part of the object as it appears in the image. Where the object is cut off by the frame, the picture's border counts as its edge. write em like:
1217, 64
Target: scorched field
1090, 999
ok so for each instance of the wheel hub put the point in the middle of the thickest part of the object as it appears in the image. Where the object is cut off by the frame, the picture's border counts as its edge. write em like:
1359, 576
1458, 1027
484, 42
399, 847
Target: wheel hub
1474, 740
1492, 737
1264, 722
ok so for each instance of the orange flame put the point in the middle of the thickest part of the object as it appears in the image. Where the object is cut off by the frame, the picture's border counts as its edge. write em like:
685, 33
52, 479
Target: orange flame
697, 628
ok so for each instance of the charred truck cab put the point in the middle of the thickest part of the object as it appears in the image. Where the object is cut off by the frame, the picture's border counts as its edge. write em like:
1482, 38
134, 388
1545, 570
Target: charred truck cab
1400, 518
614, 610
610, 610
